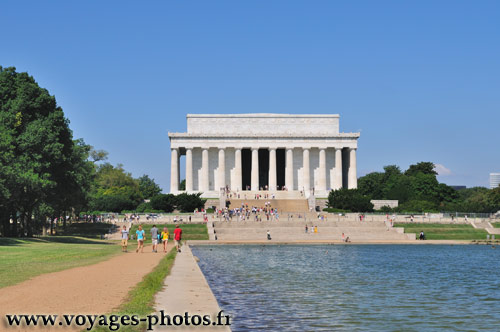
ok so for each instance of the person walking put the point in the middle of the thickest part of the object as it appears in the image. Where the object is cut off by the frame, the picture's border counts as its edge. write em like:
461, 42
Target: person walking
164, 237
177, 237
141, 236
154, 238
124, 238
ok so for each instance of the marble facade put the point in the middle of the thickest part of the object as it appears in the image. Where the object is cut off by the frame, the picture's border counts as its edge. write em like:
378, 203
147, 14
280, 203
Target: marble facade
296, 152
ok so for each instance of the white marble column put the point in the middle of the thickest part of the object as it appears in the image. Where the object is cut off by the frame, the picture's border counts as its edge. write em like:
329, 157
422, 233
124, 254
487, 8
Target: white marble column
255, 170
236, 184
337, 177
189, 170
222, 169
322, 171
205, 180
174, 171
306, 175
272, 169
353, 178
289, 169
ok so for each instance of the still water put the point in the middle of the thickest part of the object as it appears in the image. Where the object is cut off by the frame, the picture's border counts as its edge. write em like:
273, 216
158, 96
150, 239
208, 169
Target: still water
356, 287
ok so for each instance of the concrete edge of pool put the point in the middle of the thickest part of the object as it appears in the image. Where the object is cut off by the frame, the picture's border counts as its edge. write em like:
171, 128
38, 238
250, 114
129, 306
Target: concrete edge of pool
322, 242
186, 290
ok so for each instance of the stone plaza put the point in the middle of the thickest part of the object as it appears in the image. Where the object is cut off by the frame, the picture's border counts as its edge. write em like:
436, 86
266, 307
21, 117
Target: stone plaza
264, 152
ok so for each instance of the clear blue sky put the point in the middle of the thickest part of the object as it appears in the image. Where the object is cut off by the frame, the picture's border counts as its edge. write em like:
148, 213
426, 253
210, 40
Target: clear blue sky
419, 79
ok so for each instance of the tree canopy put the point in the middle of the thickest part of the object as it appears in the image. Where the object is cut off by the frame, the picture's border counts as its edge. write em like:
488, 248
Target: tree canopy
148, 187
42, 169
417, 189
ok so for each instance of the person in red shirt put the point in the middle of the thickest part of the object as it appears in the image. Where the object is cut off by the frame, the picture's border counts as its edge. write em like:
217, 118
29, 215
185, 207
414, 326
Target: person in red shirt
177, 237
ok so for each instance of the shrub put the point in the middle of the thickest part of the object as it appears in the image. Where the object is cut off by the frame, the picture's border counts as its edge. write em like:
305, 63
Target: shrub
386, 209
417, 206
144, 207
189, 202
333, 210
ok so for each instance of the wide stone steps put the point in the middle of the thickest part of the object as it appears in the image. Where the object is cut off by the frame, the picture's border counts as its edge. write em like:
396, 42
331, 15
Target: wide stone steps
300, 224
295, 231
313, 237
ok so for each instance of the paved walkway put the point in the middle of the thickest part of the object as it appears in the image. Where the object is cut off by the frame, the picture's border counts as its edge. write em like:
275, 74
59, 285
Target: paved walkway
92, 289
186, 290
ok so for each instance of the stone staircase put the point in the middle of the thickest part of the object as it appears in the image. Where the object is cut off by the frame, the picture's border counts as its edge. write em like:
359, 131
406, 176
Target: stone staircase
486, 225
294, 231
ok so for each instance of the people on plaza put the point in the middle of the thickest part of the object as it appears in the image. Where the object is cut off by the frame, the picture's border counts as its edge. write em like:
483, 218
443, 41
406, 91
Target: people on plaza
268, 235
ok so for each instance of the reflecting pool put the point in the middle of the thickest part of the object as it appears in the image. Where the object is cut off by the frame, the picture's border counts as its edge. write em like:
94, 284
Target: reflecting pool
355, 287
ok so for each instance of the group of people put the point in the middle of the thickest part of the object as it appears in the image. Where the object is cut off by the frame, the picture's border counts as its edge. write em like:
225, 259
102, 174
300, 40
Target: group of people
156, 238
247, 213
345, 238
314, 229
131, 218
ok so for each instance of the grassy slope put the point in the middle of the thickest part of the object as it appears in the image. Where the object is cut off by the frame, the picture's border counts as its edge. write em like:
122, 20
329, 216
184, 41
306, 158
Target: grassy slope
189, 231
445, 231
496, 224
22, 259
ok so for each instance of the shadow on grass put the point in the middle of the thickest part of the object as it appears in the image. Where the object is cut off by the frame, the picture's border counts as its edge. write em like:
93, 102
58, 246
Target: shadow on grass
6, 241
87, 229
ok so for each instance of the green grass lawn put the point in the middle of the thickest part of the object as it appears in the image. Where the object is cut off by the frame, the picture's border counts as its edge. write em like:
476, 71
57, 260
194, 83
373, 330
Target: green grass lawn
445, 231
189, 231
496, 224
22, 259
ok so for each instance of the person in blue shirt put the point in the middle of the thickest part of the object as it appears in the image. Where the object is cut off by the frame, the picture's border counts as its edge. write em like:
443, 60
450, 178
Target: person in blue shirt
141, 236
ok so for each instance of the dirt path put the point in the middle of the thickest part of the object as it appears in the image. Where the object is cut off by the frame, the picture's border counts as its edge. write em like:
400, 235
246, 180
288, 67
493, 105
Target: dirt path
93, 289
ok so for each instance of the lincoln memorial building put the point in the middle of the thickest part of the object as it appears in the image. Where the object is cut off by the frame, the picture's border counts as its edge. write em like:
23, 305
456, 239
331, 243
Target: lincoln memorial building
273, 152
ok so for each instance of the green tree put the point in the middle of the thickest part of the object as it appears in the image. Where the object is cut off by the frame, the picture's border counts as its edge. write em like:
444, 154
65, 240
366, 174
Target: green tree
424, 167
115, 190
372, 185
163, 202
148, 187
349, 199
189, 202
36, 156
97, 155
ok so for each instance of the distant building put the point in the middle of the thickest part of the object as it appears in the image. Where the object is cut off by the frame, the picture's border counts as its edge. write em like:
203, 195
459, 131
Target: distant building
459, 187
494, 180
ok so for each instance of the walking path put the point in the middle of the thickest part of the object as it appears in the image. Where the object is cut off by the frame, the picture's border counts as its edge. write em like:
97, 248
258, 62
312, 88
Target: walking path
186, 290
93, 289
